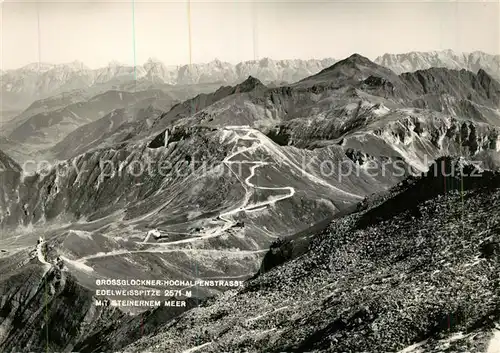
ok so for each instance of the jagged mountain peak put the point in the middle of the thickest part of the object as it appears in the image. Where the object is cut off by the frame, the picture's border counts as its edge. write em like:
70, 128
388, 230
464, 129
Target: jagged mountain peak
483, 76
431, 71
152, 65
217, 61
358, 58
488, 82
462, 84
37, 67
249, 84
266, 61
153, 60
71, 66
354, 68
354, 60
115, 63
447, 52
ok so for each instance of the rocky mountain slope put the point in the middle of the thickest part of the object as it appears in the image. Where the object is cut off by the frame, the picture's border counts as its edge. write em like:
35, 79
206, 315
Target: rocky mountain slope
48, 121
414, 257
45, 309
52, 309
109, 130
51, 127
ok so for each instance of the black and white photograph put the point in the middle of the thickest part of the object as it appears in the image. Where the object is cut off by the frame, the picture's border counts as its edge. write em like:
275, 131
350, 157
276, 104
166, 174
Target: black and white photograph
247, 176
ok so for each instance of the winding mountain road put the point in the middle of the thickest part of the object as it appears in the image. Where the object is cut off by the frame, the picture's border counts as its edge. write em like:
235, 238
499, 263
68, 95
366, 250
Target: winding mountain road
235, 134
255, 164
225, 217
246, 206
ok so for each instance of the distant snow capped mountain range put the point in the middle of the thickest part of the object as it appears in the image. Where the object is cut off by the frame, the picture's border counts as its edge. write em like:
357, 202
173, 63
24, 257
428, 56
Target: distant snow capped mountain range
46, 78
40, 80
414, 61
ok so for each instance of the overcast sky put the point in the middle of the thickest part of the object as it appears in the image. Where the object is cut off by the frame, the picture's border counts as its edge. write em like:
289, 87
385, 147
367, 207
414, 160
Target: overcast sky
96, 32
